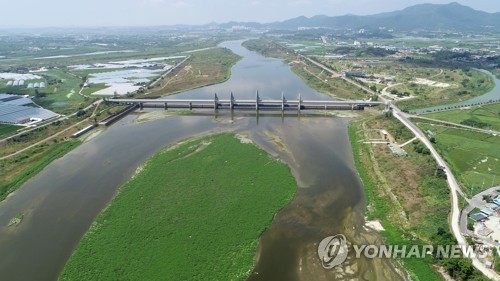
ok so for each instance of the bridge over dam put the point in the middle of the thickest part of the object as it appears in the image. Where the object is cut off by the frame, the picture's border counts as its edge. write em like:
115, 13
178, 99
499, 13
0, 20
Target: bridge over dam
254, 104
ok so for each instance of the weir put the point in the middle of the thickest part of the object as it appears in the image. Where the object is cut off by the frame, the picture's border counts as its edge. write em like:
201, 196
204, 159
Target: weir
255, 104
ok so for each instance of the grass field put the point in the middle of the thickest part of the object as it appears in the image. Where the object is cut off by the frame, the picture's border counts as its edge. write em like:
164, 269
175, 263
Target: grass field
93, 88
464, 85
485, 116
202, 69
322, 82
18, 169
460, 84
7, 129
39, 133
409, 197
473, 157
193, 212
62, 96
381, 206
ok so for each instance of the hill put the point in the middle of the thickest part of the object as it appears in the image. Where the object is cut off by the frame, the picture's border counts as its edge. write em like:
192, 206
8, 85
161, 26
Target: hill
452, 16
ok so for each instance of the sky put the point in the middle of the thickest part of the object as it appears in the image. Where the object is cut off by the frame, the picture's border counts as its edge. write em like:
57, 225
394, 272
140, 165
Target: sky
71, 13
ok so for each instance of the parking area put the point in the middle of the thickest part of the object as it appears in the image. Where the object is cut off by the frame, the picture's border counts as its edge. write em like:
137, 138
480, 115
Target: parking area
485, 216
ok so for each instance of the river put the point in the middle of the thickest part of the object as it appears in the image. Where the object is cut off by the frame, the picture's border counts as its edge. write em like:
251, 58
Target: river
60, 203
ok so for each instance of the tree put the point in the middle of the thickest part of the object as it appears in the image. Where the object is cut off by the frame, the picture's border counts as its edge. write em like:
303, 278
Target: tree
80, 112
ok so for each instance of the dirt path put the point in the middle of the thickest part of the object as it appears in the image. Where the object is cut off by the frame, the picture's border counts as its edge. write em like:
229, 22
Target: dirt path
53, 136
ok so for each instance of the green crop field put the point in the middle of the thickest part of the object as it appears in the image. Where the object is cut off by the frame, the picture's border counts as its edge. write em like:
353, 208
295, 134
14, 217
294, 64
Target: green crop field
6, 129
485, 116
61, 95
193, 212
473, 157
93, 88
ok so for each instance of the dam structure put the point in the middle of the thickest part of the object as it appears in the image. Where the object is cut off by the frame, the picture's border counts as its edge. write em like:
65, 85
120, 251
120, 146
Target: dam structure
254, 104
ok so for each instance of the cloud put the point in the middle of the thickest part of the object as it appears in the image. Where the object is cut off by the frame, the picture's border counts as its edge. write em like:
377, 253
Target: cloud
255, 3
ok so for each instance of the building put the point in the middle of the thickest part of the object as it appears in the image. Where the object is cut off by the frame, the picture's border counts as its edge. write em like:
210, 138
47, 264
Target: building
487, 211
478, 217
14, 111
491, 206
497, 201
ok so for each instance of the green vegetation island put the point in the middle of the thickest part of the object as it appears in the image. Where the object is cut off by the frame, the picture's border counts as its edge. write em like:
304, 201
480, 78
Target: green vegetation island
195, 211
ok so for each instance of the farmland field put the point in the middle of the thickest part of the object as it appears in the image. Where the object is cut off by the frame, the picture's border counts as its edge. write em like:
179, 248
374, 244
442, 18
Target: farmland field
473, 157
195, 211
486, 116
6, 129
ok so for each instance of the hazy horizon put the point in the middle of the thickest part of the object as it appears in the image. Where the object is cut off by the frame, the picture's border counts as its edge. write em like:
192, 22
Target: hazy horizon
93, 13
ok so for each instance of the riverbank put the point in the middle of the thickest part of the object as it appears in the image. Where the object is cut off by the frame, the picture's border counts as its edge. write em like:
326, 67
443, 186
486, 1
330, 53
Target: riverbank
198, 207
204, 68
485, 89
408, 195
41, 146
39, 158
21, 168
312, 75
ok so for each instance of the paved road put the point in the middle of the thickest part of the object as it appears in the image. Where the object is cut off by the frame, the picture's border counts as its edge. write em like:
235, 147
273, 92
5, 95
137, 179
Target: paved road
454, 188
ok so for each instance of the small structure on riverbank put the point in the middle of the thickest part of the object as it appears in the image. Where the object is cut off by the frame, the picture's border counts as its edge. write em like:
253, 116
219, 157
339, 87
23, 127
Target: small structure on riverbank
478, 217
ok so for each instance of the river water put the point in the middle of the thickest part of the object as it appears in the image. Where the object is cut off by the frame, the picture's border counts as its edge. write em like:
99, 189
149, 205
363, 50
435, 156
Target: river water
60, 203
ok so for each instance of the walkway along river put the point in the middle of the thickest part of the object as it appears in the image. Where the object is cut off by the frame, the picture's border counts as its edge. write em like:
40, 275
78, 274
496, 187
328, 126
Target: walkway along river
60, 203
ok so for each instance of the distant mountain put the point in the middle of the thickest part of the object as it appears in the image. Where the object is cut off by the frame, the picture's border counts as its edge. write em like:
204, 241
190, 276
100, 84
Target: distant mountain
451, 16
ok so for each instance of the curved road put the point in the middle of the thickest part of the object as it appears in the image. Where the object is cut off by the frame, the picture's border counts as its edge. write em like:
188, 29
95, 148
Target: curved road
454, 188
450, 178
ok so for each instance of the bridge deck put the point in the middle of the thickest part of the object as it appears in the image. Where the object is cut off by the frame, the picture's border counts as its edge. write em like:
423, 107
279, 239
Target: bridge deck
257, 103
